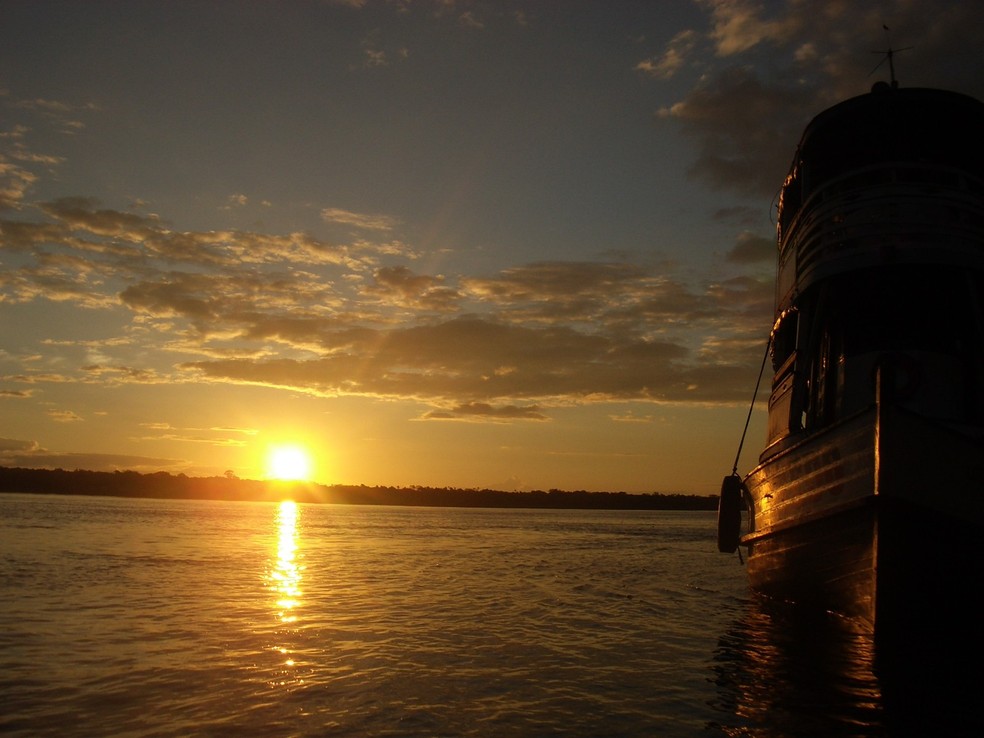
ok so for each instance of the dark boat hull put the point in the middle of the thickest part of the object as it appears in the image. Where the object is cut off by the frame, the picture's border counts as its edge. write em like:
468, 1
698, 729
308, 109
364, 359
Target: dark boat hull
878, 518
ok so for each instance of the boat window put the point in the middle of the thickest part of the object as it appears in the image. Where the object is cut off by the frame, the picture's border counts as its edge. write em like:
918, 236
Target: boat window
790, 200
784, 338
908, 310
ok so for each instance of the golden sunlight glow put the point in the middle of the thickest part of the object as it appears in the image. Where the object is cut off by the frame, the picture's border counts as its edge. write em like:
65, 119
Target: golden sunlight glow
284, 581
289, 463
286, 574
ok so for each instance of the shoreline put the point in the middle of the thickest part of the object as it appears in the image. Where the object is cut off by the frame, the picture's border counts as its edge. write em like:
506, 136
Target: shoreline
164, 485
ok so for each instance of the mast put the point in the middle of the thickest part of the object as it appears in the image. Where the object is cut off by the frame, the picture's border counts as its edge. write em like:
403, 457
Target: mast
889, 54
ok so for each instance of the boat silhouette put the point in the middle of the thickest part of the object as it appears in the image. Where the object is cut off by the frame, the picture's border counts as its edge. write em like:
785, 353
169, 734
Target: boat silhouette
868, 498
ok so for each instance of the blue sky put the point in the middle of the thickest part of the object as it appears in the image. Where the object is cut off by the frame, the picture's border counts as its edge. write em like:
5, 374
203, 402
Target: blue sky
509, 244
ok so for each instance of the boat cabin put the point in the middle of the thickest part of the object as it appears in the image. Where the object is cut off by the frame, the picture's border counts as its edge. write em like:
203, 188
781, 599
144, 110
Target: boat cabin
881, 269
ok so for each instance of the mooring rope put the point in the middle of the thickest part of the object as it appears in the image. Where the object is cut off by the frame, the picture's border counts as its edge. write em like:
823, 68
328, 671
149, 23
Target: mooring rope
768, 345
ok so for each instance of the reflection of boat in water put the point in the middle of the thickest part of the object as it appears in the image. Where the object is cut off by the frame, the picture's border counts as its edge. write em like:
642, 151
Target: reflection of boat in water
784, 671
779, 673
869, 496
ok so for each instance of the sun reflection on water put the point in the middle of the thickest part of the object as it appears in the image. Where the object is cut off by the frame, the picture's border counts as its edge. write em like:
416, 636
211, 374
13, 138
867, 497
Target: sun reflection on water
286, 574
285, 582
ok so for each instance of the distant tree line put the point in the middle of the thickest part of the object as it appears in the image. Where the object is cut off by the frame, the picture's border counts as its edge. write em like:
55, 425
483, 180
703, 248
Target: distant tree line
163, 485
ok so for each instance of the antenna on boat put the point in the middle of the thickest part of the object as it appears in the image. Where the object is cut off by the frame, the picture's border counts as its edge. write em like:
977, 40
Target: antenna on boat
889, 54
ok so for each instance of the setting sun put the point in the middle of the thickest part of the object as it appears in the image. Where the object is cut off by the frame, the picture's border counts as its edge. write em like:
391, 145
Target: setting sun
289, 463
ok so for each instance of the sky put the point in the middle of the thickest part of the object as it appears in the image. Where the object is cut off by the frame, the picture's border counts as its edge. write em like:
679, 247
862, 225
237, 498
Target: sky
466, 243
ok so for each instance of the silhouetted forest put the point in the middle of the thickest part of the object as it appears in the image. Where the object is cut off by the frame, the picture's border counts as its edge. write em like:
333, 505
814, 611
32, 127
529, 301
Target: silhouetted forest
163, 485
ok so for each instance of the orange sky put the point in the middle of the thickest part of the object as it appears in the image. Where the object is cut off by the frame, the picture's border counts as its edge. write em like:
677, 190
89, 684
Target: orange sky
479, 244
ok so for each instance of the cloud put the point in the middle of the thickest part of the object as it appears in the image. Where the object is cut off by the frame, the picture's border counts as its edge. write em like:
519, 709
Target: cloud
15, 182
739, 25
375, 57
191, 437
631, 417
80, 224
554, 280
228, 277
30, 454
301, 314
221, 437
468, 19
38, 377
329, 318
751, 248
397, 285
52, 107
13, 445
180, 295
547, 292
123, 374
775, 66
741, 123
538, 318
474, 360
53, 280
673, 58
485, 411
359, 220
63, 115
19, 163
243, 431
64, 416
82, 214
247, 304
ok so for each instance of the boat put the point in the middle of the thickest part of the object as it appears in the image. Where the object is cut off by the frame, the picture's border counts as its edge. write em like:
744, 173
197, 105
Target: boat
868, 498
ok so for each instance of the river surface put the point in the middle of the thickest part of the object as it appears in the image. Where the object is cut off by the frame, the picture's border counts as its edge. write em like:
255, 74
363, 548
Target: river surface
129, 617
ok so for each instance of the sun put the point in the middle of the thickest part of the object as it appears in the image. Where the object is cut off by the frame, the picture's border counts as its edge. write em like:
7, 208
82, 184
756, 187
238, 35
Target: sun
289, 463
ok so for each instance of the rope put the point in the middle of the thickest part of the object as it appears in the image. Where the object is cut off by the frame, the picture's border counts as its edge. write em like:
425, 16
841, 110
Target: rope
768, 345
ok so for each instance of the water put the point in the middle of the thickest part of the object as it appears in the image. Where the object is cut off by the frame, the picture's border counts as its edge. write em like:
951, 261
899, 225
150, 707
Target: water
173, 618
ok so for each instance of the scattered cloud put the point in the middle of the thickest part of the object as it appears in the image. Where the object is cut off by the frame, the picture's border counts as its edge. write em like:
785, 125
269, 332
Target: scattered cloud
15, 182
243, 431
217, 436
64, 416
30, 454
358, 220
737, 119
370, 314
752, 248
673, 58
631, 417
202, 438
480, 360
127, 374
295, 312
399, 286
375, 56
65, 116
776, 65
484, 411
13, 445
740, 25
468, 19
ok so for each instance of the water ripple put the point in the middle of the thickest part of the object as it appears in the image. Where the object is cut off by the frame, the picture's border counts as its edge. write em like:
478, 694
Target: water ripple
156, 618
